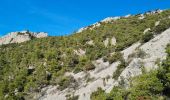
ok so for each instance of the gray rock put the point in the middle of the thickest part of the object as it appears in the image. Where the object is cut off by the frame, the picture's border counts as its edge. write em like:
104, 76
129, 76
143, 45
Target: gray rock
19, 37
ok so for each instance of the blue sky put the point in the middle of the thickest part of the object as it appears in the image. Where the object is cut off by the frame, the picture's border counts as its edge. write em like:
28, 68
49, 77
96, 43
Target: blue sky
61, 17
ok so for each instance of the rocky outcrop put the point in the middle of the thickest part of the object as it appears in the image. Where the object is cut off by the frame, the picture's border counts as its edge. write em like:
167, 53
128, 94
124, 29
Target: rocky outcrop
91, 27
130, 50
139, 57
108, 41
102, 75
90, 42
81, 29
153, 53
132, 70
142, 16
146, 30
41, 35
157, 23
106, 20
113, 41
22, 36
110, 19
80, 52
154, 12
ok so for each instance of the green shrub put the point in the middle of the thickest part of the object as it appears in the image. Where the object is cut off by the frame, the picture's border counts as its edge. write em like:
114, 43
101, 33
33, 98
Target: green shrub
147, 85
89, 66
164, 24
73, 98
164, 73
98, 95
65, 82
138, 54
115, 57
77, 69
119, 70
146, 37
117, 93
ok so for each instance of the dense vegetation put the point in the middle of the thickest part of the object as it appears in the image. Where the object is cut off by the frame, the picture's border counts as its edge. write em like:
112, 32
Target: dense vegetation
30, 66
149, 86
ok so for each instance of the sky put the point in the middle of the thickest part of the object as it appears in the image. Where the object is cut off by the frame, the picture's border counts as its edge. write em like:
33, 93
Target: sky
63, 17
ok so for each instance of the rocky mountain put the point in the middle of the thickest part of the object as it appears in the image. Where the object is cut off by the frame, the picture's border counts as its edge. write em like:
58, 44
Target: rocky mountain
118, 58
139, 56
18, 37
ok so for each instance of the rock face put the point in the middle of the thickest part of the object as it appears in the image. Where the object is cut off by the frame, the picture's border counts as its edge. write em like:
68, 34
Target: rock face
134, 69
153, 53
99, 78
102, 75
19, 37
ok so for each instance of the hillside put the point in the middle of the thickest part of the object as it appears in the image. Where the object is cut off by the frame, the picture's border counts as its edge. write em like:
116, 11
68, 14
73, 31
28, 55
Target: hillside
116, 56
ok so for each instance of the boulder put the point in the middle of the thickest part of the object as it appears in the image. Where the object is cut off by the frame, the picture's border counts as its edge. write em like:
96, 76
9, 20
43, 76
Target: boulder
157, 23
106, 42
113, 41
146, 30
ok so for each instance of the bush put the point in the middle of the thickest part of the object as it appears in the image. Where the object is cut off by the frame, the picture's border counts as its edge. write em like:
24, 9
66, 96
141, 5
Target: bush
164, 73
138, 54
165, 24
89, 66
73, 98
77, 69
146, 37
115, 57
66, 82
147, 85
98, 95
119, 70
117, 93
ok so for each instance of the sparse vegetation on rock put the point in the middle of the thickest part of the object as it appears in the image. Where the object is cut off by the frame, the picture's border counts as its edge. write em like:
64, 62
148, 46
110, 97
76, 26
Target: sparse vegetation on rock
153, 86
52, 57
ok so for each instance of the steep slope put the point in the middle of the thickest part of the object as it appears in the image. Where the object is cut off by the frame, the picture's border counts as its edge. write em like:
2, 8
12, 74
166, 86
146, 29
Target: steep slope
152, 51
152, 85
96, 56
102, 78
